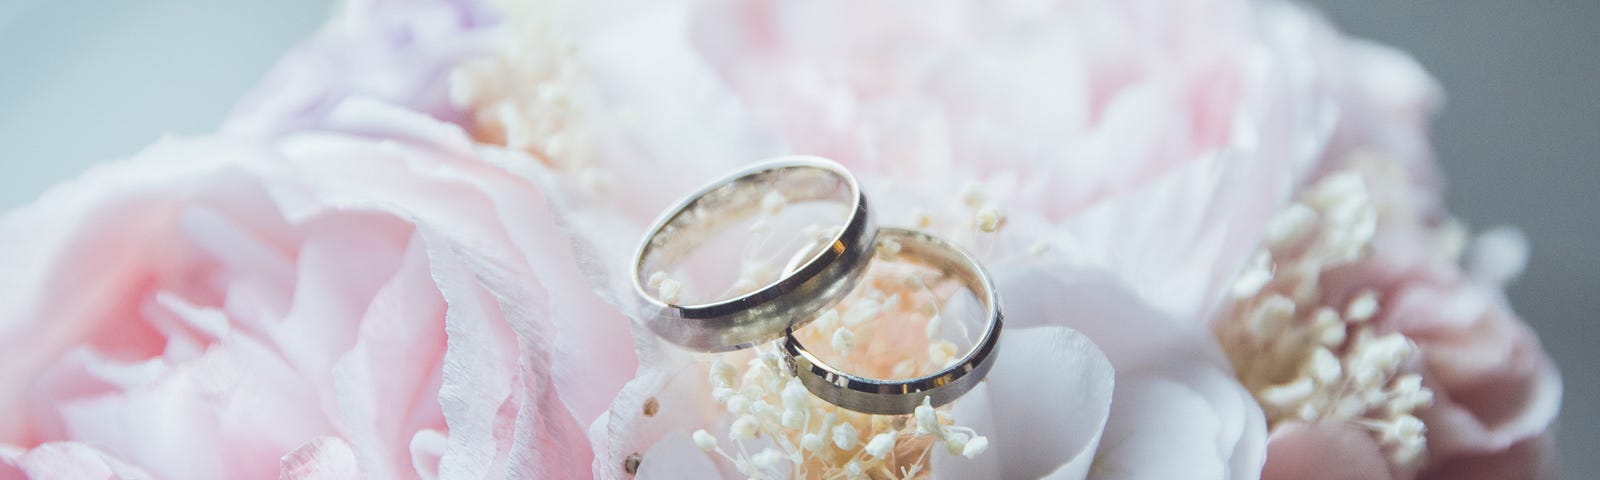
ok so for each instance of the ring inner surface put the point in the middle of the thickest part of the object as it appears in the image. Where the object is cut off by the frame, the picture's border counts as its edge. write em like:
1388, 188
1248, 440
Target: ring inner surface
726, 205
889, 316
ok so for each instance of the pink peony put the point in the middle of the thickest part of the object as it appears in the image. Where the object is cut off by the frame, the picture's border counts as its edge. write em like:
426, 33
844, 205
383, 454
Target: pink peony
314, 307
1375, 355
1495, 392
1473, 380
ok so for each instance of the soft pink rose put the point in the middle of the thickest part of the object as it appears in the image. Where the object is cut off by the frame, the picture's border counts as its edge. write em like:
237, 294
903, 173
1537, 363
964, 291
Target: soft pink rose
330, 305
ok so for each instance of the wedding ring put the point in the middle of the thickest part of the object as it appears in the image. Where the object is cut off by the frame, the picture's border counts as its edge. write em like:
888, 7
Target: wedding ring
900, 397
813, 283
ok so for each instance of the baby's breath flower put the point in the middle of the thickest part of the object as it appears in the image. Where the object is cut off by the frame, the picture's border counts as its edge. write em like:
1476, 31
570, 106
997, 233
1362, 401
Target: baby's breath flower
972, 194
1401, 427
668, 290
976, 446
927, 420
904, 369
811, 442
942, 352
828, 320
844, 436
768, 458
843, 341
722, 374
955, 443
704, 440
829, 420
861, 310
737, 404
1324, 367
743, 428
1292, 226
880, 445
989, 218
1254, 276
802, 437
772, 203
795, 395
853, 470
793, 418
889, 248
1362, 307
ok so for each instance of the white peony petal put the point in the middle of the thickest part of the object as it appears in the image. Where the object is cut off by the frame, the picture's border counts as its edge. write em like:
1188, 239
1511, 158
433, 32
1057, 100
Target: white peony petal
675, 456
1041, 422
1161, 239
1161, 363
1150, 422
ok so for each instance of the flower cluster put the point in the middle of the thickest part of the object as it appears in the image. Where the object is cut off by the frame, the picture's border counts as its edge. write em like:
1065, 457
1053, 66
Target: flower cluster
809, 438
1304, 355
1221, 255
522, 94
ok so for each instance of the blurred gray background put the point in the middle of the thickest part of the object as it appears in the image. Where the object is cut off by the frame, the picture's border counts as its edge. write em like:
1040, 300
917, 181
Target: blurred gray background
85, 80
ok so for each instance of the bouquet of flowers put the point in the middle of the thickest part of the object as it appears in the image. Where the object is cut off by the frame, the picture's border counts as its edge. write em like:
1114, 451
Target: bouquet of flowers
1215, 227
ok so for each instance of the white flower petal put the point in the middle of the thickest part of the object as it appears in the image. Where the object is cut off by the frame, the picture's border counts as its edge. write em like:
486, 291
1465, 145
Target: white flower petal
1150, 350
676, 456
1041, 422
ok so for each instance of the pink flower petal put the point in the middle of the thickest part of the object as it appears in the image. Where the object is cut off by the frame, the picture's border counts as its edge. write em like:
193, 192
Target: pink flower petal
1531, 459
1324, 452
64, 460
326, 458
386, 385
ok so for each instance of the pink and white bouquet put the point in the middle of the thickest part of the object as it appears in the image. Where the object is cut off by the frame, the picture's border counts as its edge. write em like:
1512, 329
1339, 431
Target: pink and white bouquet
1216, 226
